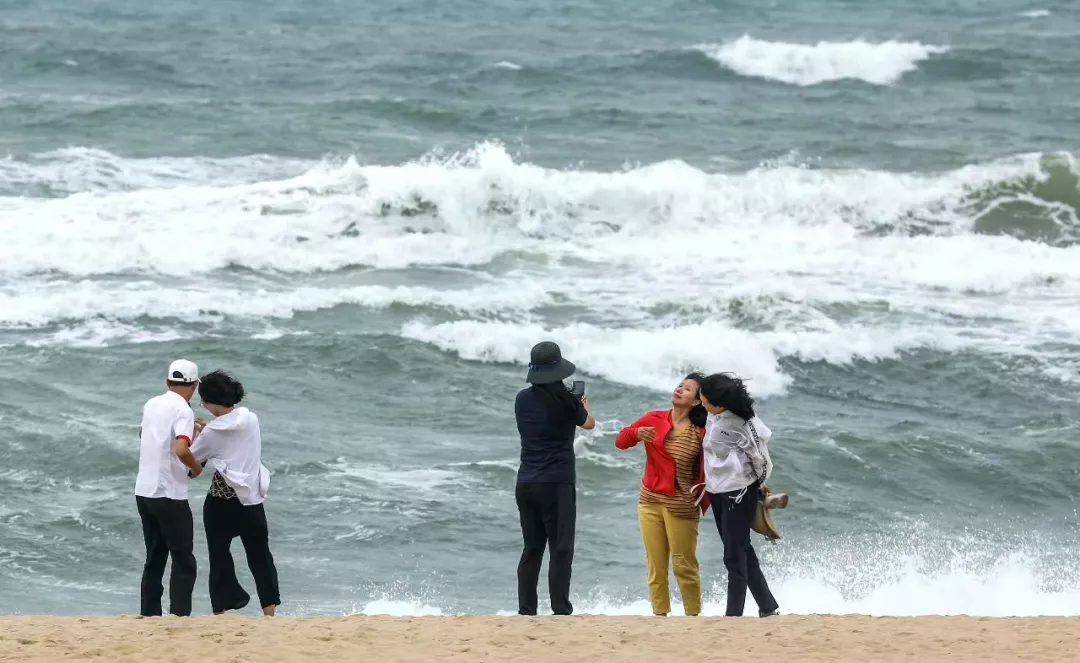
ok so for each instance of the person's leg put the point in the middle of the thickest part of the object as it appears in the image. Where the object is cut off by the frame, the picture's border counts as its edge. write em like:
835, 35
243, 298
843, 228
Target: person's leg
560, 522
255, 535
759, 588
219, 521
157, 556
755, 579
179, 530
532, 554
654, 536
681, 536
735, 518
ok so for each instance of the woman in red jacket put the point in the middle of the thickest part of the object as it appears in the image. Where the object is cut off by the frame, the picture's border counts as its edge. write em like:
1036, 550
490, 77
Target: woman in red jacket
672, 497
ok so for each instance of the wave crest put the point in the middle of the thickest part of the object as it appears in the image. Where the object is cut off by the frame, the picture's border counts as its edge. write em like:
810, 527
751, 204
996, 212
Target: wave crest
882, 63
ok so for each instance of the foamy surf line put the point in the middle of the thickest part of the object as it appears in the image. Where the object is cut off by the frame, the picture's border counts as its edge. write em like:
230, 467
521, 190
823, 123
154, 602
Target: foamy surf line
882, 63
1011, 589
656, 358
36, 305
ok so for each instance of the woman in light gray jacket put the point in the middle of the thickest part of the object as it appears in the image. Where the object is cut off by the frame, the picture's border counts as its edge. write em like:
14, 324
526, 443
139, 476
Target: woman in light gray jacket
737, 466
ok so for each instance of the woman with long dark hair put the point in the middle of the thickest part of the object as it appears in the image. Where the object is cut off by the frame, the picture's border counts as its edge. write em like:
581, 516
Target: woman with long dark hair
737, 467
671, 500
547, 415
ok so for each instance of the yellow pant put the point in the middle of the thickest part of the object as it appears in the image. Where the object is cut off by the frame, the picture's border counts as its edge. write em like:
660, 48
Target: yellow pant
666, 535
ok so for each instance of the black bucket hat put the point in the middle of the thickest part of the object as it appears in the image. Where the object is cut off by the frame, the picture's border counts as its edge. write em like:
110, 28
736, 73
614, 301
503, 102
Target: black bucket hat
546, 364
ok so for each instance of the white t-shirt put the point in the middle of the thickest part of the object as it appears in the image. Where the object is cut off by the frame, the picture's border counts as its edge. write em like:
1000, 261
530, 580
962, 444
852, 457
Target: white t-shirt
161, 474
232, 443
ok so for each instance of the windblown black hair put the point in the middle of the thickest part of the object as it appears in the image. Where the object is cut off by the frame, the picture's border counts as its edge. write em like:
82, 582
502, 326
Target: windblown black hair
727, 391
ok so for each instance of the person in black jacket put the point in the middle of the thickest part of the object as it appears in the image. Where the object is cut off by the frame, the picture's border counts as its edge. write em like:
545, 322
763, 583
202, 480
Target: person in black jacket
547, 416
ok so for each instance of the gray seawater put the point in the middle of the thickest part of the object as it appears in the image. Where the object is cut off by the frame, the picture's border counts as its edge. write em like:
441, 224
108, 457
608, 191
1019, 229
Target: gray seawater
370, 213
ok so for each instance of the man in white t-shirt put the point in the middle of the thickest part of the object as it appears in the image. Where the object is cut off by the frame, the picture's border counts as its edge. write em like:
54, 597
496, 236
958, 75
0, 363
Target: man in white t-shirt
161, 491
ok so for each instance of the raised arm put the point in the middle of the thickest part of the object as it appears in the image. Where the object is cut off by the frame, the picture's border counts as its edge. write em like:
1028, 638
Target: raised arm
585, 418
629, 437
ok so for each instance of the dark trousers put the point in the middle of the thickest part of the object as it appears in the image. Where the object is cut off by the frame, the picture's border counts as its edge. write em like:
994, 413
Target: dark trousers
226, 519
548, 514
167, 530
733, 522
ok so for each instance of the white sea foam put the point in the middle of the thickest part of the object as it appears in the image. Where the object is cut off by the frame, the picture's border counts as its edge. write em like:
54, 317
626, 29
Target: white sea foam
1036, 13
1011, 588
505, 64
880, 63
336, 215
657, 357
78, 169
818, 265
40, 304
102, 333
396, 608
423, 479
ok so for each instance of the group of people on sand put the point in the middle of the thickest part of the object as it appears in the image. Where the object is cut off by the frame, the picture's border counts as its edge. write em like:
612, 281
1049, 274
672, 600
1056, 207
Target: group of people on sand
174, 446
708, 449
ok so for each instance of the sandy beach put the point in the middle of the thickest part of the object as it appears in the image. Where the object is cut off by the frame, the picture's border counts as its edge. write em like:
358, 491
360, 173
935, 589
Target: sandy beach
384, 639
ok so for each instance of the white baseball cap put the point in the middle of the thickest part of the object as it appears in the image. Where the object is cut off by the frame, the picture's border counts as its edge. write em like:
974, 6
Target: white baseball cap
183, 370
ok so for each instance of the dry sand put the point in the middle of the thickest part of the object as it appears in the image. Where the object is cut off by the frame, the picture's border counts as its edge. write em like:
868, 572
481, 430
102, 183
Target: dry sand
549, 639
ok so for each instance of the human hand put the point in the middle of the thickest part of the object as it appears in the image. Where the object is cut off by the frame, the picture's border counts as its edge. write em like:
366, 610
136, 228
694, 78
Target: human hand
646, 434
194, 472
764, 490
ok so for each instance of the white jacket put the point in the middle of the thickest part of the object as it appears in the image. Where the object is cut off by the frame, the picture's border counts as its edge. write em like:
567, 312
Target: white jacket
233, 445
735, 452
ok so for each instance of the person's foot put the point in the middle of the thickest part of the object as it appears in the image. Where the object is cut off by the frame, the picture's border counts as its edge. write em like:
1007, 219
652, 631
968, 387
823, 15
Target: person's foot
269, 610
771, 613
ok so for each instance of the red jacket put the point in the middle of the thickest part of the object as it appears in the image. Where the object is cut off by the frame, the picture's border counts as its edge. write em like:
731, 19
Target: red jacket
659, 465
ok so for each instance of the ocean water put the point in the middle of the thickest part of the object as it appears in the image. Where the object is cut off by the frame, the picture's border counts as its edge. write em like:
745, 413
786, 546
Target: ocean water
370, 213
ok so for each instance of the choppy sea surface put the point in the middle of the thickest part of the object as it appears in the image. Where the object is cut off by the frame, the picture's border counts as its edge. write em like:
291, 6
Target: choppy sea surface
370, 213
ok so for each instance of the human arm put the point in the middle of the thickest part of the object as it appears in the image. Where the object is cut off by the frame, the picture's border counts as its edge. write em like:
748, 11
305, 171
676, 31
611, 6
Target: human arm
722, 434
184, 431
629, 437
183, 452
585, 418
749, 448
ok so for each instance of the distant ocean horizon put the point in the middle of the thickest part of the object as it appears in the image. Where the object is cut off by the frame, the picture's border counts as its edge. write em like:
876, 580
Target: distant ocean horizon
370, 214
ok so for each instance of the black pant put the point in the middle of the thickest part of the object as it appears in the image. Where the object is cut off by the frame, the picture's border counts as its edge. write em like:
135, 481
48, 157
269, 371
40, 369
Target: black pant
167, 530
733, 520
226, 519
548, 514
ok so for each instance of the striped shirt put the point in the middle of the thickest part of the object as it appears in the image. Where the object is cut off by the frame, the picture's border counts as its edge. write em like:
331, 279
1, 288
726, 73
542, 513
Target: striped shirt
685, 448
